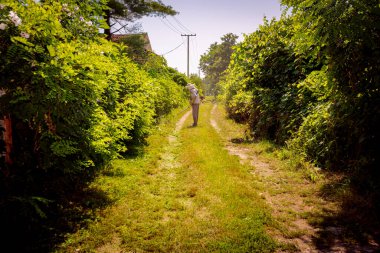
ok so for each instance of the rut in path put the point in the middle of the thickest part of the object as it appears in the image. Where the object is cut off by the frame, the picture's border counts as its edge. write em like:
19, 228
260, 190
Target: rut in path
173, 137
166, 169
167, 157
264, 170
283, 201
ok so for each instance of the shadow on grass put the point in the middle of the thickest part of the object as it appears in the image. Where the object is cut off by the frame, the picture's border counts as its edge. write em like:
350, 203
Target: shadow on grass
36, 224
36, 214
356, 226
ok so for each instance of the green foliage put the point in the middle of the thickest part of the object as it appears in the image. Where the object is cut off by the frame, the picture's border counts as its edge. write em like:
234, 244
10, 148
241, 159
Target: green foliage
215, 61
347, 33
136, 47
131, 10
260, 85
78, 97
76, 101
311, 80
312, 138
237, 98
178, 77
170, 94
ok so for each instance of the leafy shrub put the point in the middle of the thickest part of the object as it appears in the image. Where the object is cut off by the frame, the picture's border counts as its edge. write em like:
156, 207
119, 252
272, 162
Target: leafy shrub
313, 81
238, 100
312, 139
79, 95
75, 100
170, 94
347, 34
264, 68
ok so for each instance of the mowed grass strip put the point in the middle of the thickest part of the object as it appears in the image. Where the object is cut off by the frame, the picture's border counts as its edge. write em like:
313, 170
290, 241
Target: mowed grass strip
238, 216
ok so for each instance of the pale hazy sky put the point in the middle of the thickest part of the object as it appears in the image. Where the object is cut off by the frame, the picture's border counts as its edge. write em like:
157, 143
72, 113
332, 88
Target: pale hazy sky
209, 20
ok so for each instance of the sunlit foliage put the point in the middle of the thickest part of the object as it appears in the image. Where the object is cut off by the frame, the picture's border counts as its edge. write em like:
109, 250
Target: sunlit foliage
76, 101
311, 80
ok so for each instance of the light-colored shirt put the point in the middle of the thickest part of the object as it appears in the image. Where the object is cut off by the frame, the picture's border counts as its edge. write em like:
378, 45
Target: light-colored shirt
194, 96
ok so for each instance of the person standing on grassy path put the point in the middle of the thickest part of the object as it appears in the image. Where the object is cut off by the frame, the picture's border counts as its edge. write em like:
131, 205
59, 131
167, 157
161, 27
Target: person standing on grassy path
194, 102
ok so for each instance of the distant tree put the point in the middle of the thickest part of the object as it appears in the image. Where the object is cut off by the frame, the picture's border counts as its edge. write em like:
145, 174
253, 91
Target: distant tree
216, 60
123, 12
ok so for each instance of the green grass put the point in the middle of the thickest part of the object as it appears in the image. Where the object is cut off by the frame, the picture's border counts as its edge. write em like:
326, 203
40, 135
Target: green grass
302, 194
229, 191
188, 195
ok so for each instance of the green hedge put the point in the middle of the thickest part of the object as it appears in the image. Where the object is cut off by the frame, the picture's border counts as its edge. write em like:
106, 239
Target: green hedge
310, 80
76, 101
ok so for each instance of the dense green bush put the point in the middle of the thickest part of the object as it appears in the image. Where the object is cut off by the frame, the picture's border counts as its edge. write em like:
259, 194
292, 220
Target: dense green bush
238, 99
75, 100
347, 34
261, 81
79, 97
170, 94
311, 80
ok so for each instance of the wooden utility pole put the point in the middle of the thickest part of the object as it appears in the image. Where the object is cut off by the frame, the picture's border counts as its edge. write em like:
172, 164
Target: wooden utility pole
188, 51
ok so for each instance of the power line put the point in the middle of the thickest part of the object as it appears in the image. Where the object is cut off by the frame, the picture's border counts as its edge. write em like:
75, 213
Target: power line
168, 21
175, 29
181, 25
173, 49
170, 27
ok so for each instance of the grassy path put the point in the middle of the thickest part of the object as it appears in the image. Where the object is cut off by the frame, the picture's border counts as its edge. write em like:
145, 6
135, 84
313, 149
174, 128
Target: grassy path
186, 194
204, 189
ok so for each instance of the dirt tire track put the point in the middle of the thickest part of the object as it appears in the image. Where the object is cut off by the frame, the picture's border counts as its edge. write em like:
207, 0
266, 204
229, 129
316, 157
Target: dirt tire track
282, 202
167, 157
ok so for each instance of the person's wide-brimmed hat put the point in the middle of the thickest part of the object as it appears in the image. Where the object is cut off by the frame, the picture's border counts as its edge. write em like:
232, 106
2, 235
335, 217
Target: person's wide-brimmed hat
190, 86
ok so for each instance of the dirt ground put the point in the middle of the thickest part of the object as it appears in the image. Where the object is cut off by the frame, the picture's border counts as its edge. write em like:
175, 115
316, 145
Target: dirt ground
293, 199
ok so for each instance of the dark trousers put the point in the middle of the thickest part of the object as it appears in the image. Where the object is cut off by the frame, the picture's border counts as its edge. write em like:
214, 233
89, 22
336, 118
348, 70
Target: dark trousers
195, 110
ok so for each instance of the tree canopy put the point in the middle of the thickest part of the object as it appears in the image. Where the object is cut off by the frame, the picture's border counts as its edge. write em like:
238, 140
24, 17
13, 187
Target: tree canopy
216, 60
123, 12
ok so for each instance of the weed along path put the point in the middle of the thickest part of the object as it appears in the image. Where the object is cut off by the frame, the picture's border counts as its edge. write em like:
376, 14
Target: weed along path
195, 190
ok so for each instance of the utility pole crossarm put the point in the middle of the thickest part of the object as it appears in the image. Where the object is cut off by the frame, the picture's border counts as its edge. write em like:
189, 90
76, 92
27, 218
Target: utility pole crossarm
188, 50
